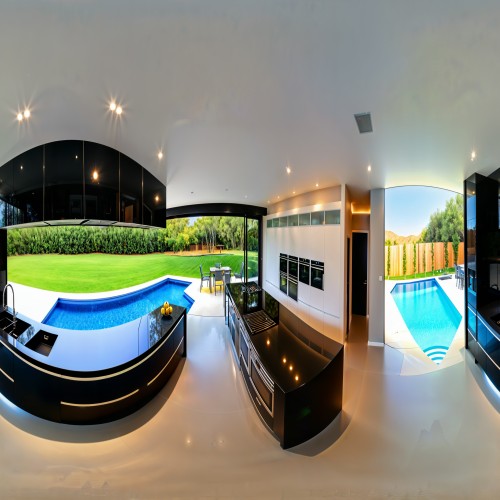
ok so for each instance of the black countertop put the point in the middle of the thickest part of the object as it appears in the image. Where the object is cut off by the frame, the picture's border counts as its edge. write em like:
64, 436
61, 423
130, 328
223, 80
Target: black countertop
290, 362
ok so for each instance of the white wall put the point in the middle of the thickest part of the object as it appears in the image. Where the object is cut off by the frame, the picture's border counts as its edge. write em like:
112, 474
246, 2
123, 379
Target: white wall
321, 309
376, 293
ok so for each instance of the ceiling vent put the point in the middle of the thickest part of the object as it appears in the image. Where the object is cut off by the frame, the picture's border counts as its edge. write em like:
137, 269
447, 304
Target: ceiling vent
364, 122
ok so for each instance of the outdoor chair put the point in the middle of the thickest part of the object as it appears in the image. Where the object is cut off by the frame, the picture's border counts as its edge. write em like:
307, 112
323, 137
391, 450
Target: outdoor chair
217, 265
218, 280
227, 277
240, 274
205, 277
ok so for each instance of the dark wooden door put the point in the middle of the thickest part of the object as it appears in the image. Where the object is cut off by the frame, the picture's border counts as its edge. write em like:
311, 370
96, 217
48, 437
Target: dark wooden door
359, 272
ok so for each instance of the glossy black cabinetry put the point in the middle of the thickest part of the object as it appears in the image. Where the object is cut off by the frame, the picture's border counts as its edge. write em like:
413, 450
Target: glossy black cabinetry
293, 374
482, 294
89, 397
79, 180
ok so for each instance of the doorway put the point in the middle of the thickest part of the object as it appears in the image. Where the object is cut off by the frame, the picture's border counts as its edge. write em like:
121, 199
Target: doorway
359, 272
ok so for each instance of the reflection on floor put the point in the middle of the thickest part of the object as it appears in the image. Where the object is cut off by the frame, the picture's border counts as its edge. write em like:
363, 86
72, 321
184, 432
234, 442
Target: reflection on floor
427, 436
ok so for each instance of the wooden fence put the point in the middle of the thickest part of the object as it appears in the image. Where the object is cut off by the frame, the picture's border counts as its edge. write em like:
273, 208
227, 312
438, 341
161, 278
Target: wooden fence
424, 252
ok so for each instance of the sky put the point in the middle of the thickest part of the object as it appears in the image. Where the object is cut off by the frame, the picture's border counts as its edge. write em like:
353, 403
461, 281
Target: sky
408, 208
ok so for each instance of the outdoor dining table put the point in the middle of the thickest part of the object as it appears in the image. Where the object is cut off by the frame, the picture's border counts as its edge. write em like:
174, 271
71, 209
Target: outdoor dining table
224, 269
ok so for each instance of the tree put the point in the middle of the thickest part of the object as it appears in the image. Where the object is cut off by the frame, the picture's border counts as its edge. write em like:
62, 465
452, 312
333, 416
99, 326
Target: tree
446, 256
415, 258
454, 243
404, 259
443, 225
388, 245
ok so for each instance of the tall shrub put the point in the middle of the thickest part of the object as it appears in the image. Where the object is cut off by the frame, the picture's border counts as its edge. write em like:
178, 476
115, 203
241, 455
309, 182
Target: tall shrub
415, 259
446, 256
404, 259
388, 244
432, 256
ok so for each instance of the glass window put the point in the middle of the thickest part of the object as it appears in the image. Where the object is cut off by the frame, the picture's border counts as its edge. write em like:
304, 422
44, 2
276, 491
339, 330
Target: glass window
269, 222
252, 273
317, 218
283, 222
276, 222
332, 217
293, 220
305, 219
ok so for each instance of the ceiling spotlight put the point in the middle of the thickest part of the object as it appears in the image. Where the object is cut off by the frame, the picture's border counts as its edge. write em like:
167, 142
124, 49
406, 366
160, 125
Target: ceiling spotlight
369, 168
19, 117
160, 155
317, 185
27, 113
21, 167
157, 198
288, 170
112, 106
76, 157
118, 110
95, 175
473, 155
293, 192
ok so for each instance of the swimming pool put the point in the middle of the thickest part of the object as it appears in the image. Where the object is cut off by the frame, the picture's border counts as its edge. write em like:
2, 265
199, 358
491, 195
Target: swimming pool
429, 314
113, 311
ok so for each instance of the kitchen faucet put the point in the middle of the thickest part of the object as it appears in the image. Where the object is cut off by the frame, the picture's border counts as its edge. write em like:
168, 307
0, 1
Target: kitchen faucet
4, 303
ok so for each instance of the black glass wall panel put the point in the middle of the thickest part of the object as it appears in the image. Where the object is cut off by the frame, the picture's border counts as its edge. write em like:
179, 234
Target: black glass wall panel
130, 191
64, 180
153, 207
79, 180
101, 170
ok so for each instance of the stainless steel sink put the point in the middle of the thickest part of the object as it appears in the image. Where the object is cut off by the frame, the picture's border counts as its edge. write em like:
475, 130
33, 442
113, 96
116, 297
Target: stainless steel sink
11, 327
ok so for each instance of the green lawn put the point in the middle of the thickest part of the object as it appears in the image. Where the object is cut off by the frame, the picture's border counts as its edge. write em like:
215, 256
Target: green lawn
428, 274
101, 272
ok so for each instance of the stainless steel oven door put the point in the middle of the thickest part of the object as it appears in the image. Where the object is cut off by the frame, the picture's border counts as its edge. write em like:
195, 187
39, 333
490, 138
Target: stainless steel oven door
283, 263
284, 282
262, 383
293, 267
317, 271
244, 346
293, 285
304, 271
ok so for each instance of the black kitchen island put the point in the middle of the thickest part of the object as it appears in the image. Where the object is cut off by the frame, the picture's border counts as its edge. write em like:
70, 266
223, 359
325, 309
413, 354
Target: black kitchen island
294, 374
48, 372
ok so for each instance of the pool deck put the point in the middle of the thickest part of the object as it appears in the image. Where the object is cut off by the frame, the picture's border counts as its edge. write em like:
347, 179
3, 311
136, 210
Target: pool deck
35, 303
398, 336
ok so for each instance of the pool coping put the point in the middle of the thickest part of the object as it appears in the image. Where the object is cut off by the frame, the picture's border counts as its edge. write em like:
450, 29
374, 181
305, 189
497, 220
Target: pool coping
397, 335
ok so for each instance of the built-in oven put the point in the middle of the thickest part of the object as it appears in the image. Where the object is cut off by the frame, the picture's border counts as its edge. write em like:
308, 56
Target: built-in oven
283, 263
262, 383
244, 346
293, 267
317, 272
293, 286
284, 282
304, 270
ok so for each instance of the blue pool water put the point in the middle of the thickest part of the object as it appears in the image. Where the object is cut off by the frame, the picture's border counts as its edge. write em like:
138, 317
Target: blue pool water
104, 313
429, 315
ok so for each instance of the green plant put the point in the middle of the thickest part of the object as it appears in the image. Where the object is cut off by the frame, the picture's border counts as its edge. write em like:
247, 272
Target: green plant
415, 258
404, 259
388, 245
446, 255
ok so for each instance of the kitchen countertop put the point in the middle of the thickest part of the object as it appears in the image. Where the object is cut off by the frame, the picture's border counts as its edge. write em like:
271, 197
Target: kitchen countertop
282, 353
93, 350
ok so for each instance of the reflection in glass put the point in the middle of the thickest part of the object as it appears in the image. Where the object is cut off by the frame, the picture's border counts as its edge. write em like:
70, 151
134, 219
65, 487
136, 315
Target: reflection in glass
130, 190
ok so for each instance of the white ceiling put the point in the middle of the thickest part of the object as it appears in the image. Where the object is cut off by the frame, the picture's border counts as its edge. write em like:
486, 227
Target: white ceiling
234, 90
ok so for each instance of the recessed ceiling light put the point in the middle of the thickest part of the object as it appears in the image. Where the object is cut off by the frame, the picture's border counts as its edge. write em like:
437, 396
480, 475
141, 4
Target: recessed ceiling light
21, 167
95, 175
112, 106
19, 117
118, 110
27, 113
160, 155
288, 170
369, 168
293, 192
317, 185
278, 197
76, 157
246, 196
473, 155
157, 198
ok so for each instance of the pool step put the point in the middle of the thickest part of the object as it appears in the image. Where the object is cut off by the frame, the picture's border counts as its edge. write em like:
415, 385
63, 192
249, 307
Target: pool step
436, 353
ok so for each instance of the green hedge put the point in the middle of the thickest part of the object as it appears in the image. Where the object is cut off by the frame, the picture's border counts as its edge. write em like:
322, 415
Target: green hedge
78, 240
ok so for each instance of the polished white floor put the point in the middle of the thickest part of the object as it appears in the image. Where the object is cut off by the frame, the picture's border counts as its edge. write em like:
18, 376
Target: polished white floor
432, 436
